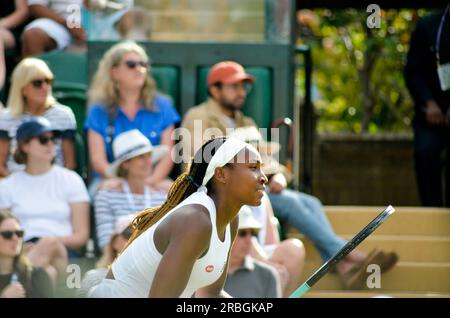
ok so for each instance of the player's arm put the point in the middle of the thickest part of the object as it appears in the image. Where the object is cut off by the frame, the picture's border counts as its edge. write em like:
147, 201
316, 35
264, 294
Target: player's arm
188, 235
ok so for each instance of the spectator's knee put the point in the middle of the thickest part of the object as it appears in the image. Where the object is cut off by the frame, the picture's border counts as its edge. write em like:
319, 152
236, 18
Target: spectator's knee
294, 248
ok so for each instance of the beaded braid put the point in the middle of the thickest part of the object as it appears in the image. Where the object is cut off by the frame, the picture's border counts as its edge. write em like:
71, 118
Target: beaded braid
183, 186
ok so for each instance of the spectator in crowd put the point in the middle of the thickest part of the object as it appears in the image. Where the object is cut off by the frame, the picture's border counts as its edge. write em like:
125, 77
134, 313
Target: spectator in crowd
248, 277
50, 201
121, 235
228, 84
427, 75
118, 20
30, 96
13, 15
123, 96
57, 24
18, 278
135, 157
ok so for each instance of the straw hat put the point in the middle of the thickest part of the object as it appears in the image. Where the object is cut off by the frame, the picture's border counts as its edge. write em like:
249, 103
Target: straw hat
130, 144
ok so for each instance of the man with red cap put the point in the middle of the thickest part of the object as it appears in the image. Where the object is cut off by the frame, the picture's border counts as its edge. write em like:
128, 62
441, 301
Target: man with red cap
228, 86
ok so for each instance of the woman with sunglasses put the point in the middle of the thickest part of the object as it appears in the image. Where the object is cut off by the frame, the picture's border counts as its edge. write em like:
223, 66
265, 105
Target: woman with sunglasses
182, 247
18, 278
123, 96
30, 95
130, 193
50, 201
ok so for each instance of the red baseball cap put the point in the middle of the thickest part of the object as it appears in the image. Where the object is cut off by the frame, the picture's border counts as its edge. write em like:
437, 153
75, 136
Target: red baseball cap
228, 72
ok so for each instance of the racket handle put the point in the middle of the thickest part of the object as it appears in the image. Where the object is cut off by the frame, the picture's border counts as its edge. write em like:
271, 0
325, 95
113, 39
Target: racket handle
300, 291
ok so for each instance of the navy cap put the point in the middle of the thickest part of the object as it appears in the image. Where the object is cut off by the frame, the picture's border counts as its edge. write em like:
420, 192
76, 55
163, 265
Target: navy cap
32, 128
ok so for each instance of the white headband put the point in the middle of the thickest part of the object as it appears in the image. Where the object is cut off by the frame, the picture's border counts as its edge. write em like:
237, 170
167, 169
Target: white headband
223, 155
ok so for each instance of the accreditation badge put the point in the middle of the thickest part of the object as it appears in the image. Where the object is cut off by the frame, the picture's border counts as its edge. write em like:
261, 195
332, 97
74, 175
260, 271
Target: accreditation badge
444, 75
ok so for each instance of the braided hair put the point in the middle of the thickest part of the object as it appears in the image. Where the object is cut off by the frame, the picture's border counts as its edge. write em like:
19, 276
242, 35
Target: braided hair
186, 184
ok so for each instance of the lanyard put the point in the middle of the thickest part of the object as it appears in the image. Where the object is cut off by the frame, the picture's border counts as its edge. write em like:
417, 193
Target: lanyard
439, 33
147, 198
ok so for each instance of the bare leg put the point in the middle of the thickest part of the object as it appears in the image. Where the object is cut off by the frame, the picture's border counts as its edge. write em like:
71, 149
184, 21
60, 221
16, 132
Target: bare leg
291, 254
36, 41
48, 251
6, 41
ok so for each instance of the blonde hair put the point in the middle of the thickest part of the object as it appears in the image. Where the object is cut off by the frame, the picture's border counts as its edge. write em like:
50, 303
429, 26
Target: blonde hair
104, 89
27, 70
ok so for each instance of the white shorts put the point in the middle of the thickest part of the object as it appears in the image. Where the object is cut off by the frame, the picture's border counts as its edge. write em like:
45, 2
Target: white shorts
54, 30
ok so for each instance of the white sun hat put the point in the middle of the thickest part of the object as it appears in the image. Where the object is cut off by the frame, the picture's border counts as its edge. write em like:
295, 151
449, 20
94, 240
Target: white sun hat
130, 144
251, 135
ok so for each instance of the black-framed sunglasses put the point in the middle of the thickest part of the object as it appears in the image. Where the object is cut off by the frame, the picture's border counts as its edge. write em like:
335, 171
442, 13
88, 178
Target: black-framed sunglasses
43, 139
37, 83
133, 64
7, 235
244, 233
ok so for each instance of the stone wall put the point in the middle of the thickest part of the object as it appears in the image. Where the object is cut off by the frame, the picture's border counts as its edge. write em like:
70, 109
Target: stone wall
203, 20
352, 169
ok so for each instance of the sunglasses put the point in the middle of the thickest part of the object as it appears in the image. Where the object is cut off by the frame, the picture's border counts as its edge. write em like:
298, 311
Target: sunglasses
7, 235
244, 233
43, 140
133, 64
39, 82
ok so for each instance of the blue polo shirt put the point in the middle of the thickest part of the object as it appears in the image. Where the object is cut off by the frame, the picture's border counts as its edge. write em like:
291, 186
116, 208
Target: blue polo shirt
150, 123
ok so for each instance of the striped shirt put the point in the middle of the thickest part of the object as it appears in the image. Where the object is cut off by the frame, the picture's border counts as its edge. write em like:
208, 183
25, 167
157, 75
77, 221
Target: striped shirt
61, 118
110, 205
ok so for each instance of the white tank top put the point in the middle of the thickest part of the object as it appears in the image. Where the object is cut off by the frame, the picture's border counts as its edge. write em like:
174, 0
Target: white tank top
135, 268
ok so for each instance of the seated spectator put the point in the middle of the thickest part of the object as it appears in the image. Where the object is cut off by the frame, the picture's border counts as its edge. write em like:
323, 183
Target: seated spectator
123, 96
128, 193
55, 27
18, 278
50, 201
248, 277
118, 20
13, 15
116, 244
30, 96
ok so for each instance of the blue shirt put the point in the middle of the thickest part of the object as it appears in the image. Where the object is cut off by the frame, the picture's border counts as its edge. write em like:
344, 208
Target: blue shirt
150, 123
